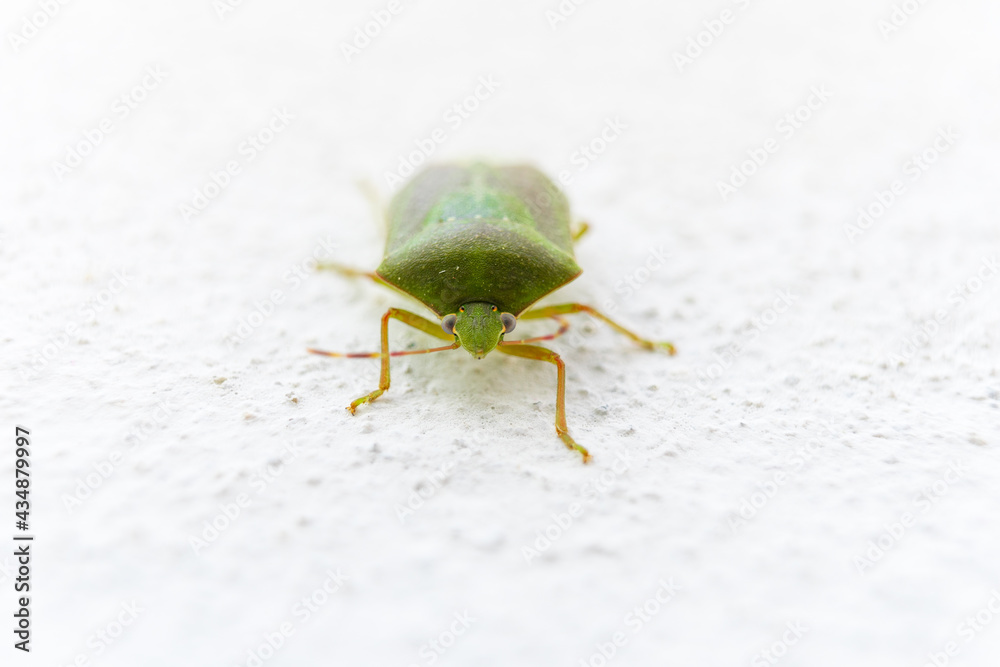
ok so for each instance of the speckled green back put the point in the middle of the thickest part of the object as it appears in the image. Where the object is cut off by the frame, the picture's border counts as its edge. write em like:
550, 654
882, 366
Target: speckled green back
461, 233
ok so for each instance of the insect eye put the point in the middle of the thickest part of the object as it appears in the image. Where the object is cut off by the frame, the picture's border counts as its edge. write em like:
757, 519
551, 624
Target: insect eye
509, 322
448, 323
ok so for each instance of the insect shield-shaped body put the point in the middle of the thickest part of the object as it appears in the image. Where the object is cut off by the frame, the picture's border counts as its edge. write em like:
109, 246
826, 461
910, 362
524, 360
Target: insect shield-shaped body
472, 241
478, 245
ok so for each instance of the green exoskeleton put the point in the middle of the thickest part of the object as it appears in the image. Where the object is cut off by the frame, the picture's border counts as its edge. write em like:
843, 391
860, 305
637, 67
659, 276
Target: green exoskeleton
478, 245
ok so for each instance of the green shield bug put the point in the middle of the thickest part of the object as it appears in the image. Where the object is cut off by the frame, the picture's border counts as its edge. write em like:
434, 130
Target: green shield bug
478, 245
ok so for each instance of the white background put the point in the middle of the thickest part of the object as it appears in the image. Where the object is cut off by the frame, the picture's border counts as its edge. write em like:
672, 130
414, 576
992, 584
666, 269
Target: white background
881, 421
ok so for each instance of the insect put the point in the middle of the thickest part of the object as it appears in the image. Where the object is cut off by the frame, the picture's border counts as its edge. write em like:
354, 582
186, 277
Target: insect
478, 245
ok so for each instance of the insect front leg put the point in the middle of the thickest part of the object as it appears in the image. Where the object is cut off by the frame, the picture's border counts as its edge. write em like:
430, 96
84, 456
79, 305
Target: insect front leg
406, 317
571, 308
383, 378
542, 354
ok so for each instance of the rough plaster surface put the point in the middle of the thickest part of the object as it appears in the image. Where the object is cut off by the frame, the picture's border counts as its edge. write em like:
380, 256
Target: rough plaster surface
752, 471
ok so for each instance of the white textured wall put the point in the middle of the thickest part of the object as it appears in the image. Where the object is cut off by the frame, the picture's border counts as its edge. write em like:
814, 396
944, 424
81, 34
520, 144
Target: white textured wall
751, 472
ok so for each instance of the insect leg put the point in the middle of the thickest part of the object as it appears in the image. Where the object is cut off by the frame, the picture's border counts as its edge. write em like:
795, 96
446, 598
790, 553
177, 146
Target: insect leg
542, 354
406, 317
580, 230
350, 272
570, 308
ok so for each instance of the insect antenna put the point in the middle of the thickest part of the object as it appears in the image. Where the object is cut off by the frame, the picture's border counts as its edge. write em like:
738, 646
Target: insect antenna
376, 355
563, 328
